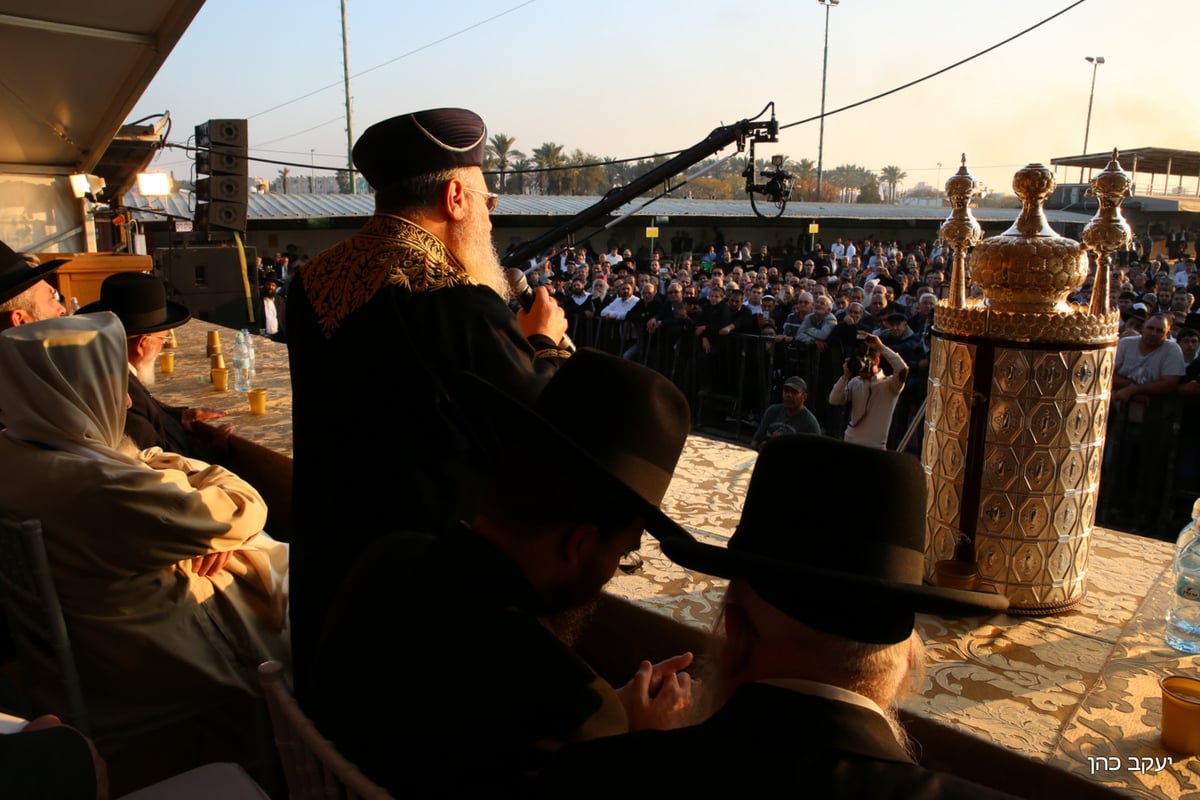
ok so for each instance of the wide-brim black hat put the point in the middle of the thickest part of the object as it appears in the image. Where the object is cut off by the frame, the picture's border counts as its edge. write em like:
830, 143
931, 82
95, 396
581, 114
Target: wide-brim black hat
16, 275
851, 564
633, 456
139, 300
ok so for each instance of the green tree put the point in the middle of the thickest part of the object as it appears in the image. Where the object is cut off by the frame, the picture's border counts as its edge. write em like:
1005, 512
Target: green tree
497, 153
521, 164
548, 157
805, 171
587, 180
869, 191
892, 176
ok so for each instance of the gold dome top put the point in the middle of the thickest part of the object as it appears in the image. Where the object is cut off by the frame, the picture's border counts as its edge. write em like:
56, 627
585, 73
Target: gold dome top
1029, 267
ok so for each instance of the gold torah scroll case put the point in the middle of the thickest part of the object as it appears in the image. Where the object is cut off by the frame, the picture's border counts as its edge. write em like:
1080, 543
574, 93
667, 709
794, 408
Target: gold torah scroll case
1019, 383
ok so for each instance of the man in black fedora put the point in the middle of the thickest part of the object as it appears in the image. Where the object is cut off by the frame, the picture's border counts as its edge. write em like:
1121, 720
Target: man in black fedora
25, 295
468, 631
818, 642
377, 325
139, 300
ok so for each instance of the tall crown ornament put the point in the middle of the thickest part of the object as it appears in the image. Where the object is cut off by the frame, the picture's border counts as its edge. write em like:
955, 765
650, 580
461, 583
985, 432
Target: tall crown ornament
1017, 405
960, 230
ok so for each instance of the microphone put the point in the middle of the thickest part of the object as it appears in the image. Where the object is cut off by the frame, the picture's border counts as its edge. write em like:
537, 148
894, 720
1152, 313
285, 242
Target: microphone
524, 297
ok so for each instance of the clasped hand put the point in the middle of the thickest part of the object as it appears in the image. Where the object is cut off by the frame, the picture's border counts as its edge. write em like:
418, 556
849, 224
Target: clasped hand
659, 694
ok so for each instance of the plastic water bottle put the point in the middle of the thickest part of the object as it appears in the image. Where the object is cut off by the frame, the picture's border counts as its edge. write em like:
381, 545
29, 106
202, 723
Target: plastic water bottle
241, 364
245, 334
1183, 615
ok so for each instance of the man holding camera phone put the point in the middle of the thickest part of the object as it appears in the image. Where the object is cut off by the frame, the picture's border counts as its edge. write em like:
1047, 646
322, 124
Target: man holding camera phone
871, 394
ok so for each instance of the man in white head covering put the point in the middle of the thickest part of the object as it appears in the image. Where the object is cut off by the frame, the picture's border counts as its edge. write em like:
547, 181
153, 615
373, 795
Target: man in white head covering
171, 592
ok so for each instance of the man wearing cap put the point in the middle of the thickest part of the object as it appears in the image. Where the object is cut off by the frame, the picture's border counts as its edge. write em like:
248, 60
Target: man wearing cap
140, 301
377, 325
789, 417
472, 628
25, 296
816, 643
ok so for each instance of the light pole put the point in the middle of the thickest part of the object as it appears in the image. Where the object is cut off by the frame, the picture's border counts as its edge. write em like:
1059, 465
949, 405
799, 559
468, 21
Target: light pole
824, 68
1095, 62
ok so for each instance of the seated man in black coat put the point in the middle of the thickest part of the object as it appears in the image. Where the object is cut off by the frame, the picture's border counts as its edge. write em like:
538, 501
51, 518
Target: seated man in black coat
140, 301
819, 642
469, 629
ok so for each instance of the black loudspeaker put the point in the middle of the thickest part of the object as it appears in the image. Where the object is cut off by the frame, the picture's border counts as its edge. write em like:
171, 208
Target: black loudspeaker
223, 133
208, 280
230, 188
218, 214
222, 182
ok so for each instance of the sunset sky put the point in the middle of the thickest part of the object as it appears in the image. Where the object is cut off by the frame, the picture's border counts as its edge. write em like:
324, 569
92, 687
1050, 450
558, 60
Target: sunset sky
621, 78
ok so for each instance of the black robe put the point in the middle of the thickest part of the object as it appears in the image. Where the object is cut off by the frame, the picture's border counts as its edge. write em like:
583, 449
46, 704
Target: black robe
766, 741
473, 691
380, 327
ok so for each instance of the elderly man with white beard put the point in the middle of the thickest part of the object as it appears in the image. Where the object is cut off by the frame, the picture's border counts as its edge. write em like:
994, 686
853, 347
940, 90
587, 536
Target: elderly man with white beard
378, 327
815, 646
140, 301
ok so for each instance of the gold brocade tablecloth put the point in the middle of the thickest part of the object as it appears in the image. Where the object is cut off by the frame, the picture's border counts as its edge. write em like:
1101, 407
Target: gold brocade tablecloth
1073, 694
190, 385
1077, 692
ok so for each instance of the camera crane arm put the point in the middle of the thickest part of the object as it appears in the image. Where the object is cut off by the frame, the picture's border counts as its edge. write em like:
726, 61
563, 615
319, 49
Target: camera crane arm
720, 138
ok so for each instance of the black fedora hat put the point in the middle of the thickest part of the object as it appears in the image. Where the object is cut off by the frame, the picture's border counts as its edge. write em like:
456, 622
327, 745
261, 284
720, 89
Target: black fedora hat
16, 274
852, 570
631, 456
140, 301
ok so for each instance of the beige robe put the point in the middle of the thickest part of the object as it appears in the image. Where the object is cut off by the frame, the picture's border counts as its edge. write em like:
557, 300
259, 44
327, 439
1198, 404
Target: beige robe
150, 636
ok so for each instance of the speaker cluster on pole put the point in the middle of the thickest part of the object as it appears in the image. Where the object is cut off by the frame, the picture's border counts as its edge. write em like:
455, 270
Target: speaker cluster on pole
222, 176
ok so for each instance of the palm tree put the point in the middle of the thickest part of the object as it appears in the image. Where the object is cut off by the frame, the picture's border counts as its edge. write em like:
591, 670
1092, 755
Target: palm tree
520, 164
892, 175
549, 156
805, 171
498, 150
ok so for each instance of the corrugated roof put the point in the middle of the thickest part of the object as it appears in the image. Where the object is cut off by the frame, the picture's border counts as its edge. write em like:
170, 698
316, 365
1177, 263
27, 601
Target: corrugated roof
306, 206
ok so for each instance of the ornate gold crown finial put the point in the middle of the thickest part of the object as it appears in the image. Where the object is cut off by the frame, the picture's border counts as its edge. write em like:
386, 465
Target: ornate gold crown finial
1107, 231
960, 230
1029, 267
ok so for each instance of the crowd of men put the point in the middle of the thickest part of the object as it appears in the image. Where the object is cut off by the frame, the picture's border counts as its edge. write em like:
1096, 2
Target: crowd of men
459, 512
689, 318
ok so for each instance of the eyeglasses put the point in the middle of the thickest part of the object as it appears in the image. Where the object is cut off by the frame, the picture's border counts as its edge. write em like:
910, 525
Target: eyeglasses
163, 337
493, 199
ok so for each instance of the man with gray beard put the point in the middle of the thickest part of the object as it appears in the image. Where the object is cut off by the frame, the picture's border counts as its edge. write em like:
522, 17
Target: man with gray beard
818, 642
378, 326
140, 301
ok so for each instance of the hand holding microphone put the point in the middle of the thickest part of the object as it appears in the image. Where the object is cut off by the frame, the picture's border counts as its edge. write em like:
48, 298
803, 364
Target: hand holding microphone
541, 314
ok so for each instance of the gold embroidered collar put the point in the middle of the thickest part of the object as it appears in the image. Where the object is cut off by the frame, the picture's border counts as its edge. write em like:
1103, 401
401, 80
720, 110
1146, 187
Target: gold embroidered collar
387, 250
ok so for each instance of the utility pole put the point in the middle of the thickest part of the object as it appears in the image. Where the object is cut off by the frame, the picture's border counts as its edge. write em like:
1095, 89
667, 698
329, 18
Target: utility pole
346, 82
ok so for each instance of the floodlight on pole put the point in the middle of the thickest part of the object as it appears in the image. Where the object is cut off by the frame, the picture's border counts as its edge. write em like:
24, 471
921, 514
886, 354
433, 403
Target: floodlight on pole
824, 69
1095, 62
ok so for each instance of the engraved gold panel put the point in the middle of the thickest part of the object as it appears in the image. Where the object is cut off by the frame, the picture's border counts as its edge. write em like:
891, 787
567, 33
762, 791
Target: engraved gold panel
1040, 470
1011, 372
1000, 469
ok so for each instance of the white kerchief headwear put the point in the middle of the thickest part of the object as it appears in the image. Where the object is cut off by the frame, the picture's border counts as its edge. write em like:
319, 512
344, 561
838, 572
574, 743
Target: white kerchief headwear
64, 384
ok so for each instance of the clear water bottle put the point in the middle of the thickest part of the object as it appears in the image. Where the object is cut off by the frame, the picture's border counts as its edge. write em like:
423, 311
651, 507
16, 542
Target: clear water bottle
245, 334
241, 364
1183, 614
